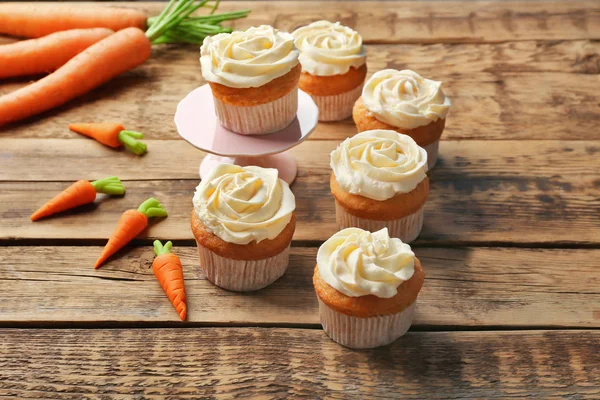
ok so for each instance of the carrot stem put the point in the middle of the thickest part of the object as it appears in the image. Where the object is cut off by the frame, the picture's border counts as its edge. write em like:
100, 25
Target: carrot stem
159, 249
111, 185
129, 140
152, 208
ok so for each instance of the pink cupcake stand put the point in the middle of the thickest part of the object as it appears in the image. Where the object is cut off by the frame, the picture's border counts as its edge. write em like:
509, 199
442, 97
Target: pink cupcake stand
197, 123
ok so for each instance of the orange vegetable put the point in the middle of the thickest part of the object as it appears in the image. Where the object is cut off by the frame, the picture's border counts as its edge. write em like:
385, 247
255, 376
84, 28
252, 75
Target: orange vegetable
40, 56
131, 224
78, 194
89, 69
39, 19
169, 272
112, 134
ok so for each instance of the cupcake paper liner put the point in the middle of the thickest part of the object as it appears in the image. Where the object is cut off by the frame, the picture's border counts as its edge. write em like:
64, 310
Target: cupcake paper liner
339, 106
432, 153
365, 333
261, 119
406, 228
242, 275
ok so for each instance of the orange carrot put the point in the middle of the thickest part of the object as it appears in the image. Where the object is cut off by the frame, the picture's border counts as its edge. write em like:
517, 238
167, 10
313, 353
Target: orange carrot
112, 134
46, 54
131, 224
89, 69
169, 272
38, 19
78, 194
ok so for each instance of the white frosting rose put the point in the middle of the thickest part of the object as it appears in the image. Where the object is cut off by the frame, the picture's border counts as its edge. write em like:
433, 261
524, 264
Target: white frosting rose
249, 58
404, 98
242, 204
329, 48
379, 164
359, 263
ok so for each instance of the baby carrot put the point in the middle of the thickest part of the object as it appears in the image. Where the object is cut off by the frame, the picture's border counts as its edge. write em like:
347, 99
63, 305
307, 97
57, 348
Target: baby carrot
112, 134
169, 272
131, 224
80, 193
38, 19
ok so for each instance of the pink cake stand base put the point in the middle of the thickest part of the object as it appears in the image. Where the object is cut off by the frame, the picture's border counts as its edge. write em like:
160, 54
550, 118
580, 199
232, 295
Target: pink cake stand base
197, 123
283, 162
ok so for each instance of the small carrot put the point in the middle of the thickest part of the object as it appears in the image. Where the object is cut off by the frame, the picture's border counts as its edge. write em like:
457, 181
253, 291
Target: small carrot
38, 19
113, 135
46, 54
131, 224
89, 69
80, 193
169, 272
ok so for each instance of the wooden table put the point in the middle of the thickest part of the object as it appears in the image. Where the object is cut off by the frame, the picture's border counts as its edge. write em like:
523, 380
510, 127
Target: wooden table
511, 243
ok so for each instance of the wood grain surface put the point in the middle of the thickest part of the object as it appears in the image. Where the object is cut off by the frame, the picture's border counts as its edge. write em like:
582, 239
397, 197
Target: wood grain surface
296, 363
516, 90
475, 287
479, 193
511, 241
426, 21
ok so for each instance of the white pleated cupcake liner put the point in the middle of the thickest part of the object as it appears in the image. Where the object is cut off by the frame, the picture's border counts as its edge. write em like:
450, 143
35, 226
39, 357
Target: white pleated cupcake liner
365, 333
432, 153
339, 106
406, 228
242, 275
261, 119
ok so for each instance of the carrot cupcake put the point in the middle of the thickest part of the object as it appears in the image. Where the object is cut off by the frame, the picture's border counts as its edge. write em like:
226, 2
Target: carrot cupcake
379, 181
405, 102
243, 222
333, 67
254, 77
367, 286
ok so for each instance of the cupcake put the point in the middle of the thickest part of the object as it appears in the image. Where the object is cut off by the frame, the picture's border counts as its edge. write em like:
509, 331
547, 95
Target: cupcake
406, 102
379, 181
333, 67
243, 222
254, 77
367, 286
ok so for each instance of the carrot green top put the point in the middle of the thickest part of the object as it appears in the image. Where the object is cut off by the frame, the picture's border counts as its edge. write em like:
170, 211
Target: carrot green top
111, 185
152, 208
159, 249
129, 140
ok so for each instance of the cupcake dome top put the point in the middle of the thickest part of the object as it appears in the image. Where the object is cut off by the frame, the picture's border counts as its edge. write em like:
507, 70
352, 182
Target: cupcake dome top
379, 164
357, 263
328, 48
242, 204
404, 98
249, 58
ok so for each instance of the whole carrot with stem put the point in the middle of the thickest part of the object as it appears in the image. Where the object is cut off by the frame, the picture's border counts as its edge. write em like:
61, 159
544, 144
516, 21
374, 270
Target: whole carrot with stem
112, 135
131, 224
38, 19
46, 54
169, 272
80, 193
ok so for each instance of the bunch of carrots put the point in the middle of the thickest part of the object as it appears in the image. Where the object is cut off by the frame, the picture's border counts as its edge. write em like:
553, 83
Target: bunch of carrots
88, 46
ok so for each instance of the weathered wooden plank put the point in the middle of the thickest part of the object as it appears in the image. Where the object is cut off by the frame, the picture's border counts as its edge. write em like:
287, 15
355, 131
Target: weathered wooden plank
506, 191
430, 21
286, 363
497, 91
505, 287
